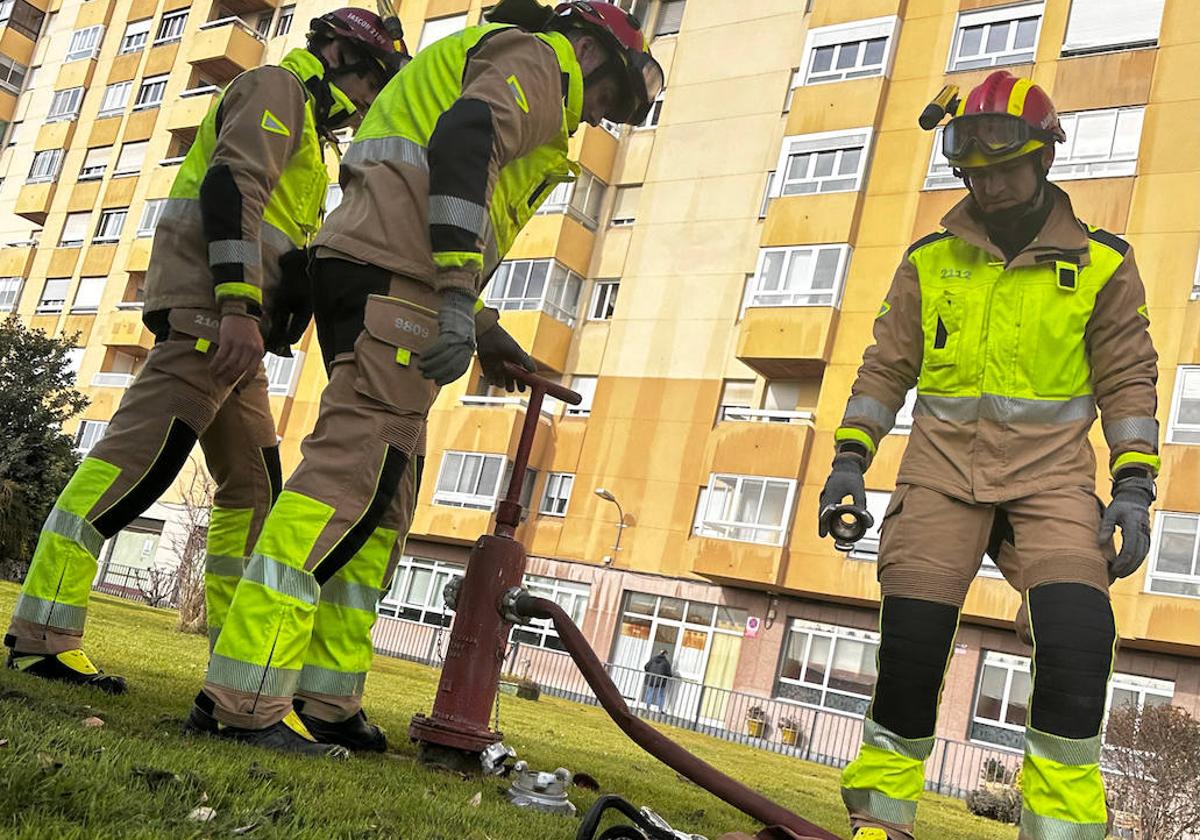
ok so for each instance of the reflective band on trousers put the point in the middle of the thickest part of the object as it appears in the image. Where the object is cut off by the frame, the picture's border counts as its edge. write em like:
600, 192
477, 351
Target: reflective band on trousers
397, 149
1132, 428
239, 251
1044, 828
74, 528
223, 566
324, 681
49, 613
458, 212
863, 407
356, 596
188, 209
883, 738
872, 803
284, 579
252, 679
1062, 750
1006, 409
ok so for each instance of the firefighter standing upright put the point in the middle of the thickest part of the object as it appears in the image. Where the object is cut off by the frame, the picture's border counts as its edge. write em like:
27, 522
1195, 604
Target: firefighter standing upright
1014, 323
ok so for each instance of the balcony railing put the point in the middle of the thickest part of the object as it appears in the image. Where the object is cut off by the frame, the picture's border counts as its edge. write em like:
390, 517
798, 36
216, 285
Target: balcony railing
475, 401
203, 90
131, 304
751, 415
107, 379
235, 22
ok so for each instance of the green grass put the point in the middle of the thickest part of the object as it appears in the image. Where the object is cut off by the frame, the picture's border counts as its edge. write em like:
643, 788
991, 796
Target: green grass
137, 777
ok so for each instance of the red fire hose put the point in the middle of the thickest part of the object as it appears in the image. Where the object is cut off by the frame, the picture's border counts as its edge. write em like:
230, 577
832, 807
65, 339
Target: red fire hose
747, 801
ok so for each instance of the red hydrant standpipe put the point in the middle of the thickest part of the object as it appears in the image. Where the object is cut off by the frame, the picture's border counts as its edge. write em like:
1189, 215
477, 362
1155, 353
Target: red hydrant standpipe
457, 730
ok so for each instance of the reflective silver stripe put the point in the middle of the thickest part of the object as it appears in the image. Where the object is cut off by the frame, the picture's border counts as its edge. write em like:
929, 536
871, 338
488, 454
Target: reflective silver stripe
214, 633
239, 251
449, 210
1132, 428
1079, 752
1006, 409
863, 407
252, 679
323, 681
53, 614
872, 803
1036, 827
281, 578
223, 566
74, 528
356, 596
177, 209
883, 738
275, 238
395, 149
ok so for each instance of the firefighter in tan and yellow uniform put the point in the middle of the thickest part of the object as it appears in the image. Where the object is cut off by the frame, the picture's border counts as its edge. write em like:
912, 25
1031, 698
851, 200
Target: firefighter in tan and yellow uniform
248, 194
1014, 324
456, 154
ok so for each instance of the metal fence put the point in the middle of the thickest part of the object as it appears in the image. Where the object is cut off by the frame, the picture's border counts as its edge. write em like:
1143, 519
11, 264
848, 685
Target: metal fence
155, 587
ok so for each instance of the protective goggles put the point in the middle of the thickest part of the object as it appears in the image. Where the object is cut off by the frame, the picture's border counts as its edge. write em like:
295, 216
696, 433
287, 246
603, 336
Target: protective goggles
642, 81
994, 134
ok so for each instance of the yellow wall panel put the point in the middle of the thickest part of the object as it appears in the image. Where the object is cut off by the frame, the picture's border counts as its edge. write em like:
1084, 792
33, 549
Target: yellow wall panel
140, 125
33, 201
1103, 81
834, 107
75, 74
55, 135
16, 262
786, 342
98, 260
829, 13
161, 59
93, 12
138, 257
1103, 202
78, 325
16, 45
46, 323
104, 132
442, 8
139, 9
596, 150
63, 262
120, 192
124, 67
83, 196
811, 219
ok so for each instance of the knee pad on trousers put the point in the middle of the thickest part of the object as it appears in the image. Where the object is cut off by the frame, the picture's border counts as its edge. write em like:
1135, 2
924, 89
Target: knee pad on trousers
154, 482
916, 640
270, 456
391, 473
1073, 637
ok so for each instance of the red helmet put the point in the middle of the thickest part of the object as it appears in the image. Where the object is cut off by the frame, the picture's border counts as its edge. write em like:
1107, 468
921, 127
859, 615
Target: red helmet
1001, 119
640, 74
368, 31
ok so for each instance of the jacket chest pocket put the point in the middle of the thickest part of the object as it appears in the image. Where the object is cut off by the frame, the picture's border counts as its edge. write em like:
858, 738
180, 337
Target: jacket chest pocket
943, 330
1051, 348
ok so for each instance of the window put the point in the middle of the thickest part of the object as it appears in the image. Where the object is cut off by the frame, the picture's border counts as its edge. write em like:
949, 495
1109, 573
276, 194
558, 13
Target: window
284, 25
151, 213
581, 199
795, 82
670, 17
65, 104
282, 372
745, 508
828, 665
416, 593
333, 197
536, 284
13, 131
54, 295
868, 547
604, 300
766, 198
991, 37
585, 386
640, 9
88, 294
1184, 426
170, 28
655, 111
150, 94
10, 293
46, 166
75, 230
111, 223
1175, 557
571, 596
1102, 25
12, 74
88, 435
263, 24
469, 479
1139, 692
1001, 700
848, 51
940, 175
115, 97
1100, 144
904, 417
438, 28
132, 156
23, 17
75, 361
822, 163
85, 43
737, 395
136, 36
802, 276
626, 205
95, 163
557, 494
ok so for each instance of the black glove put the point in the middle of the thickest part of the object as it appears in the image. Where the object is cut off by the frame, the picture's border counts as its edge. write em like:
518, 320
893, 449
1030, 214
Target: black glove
846, 479
1130, 509
496, 347
292, 307
450, 354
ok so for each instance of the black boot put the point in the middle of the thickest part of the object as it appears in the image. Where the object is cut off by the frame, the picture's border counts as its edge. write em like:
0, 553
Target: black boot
72, 666
200, 720
288, 735
354, 733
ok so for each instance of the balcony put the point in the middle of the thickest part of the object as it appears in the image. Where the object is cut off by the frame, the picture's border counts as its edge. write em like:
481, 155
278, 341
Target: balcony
109, 379
241, 7
224, 48
186, 114
787, 342
16, 258
124, 330
543, 336
33, 201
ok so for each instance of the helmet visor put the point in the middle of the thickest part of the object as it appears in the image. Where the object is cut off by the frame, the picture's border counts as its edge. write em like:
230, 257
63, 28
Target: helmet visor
643, 84
995, 134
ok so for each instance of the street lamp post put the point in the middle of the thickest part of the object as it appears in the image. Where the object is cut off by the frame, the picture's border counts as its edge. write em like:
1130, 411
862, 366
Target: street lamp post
609, 497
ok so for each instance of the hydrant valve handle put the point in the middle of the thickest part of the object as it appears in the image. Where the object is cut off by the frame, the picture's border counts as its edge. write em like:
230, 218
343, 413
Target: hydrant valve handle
508, 606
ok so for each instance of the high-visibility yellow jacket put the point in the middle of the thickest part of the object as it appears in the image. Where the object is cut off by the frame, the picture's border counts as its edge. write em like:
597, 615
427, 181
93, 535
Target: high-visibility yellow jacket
1010, 361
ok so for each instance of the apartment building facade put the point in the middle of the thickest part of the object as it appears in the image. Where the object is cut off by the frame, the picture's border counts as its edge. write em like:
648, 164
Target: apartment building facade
708, 284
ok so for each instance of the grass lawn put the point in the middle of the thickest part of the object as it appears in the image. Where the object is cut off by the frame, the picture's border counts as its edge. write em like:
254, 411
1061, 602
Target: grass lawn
138, 777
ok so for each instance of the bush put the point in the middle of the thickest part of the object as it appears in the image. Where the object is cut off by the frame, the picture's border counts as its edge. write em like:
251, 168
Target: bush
996, 802
1153, 758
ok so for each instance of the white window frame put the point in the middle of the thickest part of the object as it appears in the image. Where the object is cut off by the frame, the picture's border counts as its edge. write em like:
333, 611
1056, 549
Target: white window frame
803, 294
88, 435
1174, 428
989, 17
40, 174
555, 297
1012, 665
1153, 575
151, 83
580, 199
54, 297
1113, 164
94, 286
85, 43
940, 174
333, 198
283, 373
10, 293
1143, 687
839, 142
127, 168
152, 211
75, 361
105, 224
1121, 16
713, 527
12, 75
79, 231
904, 416
661, 19
109, 107
483, 498
94, 170
585, 386
432, 610
841, 36
867, 548
137, 35
834, 633
571, 595
604, 300
435, 29
1195, 295
169, 31
283, 23
654, 114
554, 500
623, 221
65, 104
